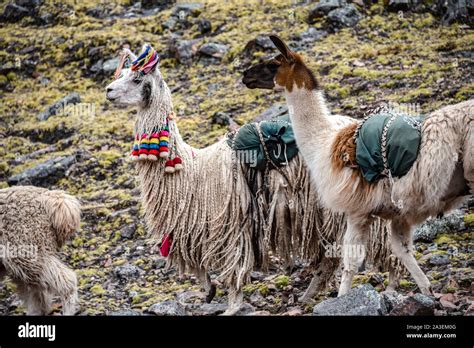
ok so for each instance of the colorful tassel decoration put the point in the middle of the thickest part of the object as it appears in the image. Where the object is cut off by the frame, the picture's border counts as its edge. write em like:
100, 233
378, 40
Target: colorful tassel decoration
165, 245
154, 149
169, 167
178, 164
163, 145
135, 149
144, 147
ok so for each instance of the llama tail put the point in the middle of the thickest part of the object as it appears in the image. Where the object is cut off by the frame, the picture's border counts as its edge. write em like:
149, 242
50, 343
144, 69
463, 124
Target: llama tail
64, 212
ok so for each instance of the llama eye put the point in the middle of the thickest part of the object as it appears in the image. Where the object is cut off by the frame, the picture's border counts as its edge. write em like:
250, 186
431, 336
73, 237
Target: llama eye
137, 80
273, 67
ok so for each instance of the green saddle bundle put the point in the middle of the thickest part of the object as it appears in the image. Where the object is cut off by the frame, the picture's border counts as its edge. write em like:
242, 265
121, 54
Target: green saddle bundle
403, 136
265, 143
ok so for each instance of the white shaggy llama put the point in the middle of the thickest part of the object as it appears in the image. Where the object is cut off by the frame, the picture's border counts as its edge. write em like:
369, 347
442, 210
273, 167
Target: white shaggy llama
215, 221
34, 225
441, 176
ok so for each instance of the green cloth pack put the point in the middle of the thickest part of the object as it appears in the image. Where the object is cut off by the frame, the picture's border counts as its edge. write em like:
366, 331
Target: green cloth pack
278, 137
403, 142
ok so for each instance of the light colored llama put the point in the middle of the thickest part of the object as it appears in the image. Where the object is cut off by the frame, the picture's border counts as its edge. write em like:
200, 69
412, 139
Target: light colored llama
34, 224
441, 176
214, 220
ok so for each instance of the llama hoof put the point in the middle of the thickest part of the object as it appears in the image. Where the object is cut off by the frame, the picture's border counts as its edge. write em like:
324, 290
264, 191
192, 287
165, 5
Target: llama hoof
210, 295
427, 291
304, 298
231, 311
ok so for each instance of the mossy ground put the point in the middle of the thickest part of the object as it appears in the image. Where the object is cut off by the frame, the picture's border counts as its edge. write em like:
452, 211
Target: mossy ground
384, 58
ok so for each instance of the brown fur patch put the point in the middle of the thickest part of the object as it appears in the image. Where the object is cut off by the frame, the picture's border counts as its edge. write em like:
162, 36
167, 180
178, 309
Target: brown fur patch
295, 73
344, 148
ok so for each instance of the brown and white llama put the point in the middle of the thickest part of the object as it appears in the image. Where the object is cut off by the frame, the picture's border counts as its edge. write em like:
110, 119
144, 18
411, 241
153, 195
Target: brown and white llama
34, 224
441, 176
218, 213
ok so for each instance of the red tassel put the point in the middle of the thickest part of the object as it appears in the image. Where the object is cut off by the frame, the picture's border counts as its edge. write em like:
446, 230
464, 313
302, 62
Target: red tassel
165, 245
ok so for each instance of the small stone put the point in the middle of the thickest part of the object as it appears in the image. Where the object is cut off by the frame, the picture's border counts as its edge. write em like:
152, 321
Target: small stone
221, 119
439, 259
167, 308
159, 263
204, 26
128, 231
313, 34
127, 271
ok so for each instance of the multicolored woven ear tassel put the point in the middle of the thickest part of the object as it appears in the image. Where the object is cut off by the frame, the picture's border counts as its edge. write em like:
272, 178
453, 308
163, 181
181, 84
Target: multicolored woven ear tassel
147, 61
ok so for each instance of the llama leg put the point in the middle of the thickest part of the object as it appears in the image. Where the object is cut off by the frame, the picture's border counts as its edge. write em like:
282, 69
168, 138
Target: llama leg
353, 251
62, 281
209, 287
321, 277
39, 301
393, 279
402, 246
236, 298
3, 271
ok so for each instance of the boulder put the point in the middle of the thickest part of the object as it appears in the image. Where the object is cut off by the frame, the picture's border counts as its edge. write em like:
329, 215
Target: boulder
110, 65
260, 43
156, 3
418, 304
184, 50
44, 174
14, 13
346, 16
322, 8
58, 107
362, 300
213, 50
272, 112
430, 229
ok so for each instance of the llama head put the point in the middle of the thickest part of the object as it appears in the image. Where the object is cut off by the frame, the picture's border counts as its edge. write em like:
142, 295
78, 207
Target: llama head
136, 86
283, 72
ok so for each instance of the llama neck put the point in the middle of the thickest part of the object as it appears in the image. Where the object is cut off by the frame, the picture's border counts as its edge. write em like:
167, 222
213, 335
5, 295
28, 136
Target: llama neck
309, 115
154, 114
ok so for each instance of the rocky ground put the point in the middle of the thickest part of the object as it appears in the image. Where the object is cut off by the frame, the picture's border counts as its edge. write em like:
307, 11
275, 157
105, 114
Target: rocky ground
58, 131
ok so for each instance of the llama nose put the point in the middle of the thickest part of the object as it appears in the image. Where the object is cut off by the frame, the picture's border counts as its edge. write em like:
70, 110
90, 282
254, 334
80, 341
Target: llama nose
108, 90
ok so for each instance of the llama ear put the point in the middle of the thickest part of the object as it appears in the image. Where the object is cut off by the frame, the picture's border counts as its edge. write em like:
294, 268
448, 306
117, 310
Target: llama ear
283, 48
129, 54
